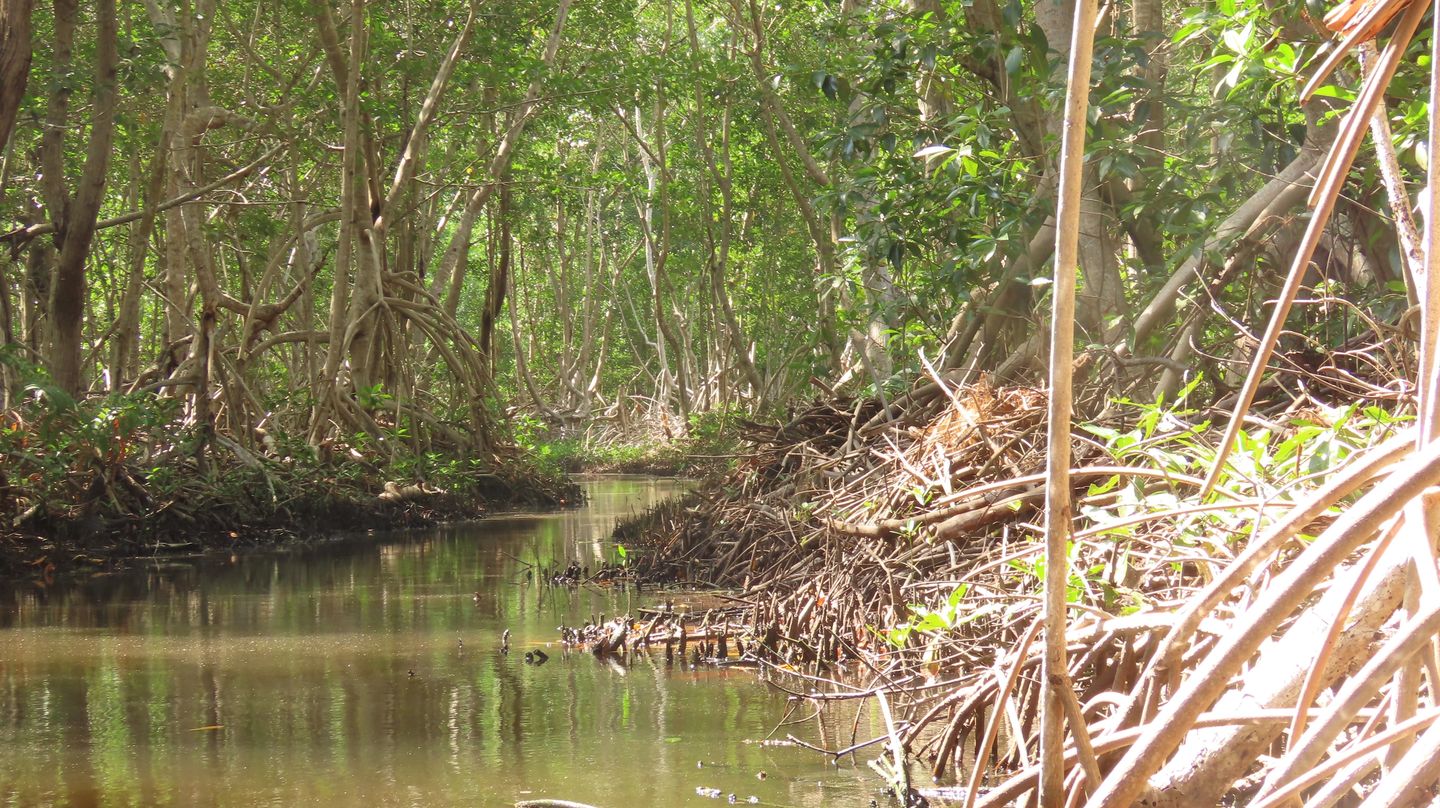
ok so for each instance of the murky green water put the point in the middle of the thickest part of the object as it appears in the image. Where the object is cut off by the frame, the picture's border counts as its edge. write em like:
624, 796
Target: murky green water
286, 679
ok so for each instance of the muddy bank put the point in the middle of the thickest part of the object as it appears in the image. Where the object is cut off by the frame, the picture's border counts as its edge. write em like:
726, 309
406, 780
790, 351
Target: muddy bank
117, 515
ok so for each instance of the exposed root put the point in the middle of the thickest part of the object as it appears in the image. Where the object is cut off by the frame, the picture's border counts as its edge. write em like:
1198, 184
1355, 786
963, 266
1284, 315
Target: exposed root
898, 542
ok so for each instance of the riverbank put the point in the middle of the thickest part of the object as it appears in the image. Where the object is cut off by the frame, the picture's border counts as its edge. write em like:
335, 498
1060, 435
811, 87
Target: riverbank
242, 507
906, 535
85, 485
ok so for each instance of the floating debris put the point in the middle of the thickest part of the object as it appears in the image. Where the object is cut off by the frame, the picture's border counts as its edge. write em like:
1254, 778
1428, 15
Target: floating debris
714, 636
572, 575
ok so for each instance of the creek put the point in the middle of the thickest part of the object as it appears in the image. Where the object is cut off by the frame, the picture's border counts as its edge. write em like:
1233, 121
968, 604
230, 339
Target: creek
367, 671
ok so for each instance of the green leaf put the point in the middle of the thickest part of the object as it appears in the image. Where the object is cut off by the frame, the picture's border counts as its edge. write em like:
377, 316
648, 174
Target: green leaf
1013, 60
1239, 41
933, 150
1332, 91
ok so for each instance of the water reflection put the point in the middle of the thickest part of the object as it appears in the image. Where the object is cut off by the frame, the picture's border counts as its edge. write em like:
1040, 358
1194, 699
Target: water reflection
368, 671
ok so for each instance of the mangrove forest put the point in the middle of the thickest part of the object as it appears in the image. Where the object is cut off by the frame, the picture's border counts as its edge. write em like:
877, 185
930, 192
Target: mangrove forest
661, 402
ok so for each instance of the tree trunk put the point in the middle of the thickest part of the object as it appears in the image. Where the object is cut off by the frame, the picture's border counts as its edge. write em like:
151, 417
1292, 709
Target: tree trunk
1101, 294
718, 247
76, 215
499, 283
934, 102
15, 53
452, 264
1059, 509
825, 276
125, 357
522, 366
328, 394
771, 100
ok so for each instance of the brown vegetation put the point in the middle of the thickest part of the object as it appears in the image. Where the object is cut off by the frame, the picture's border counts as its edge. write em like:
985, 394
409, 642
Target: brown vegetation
902, 540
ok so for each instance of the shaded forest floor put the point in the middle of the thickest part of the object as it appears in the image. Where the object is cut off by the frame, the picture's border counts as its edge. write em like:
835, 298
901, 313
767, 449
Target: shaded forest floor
707, 448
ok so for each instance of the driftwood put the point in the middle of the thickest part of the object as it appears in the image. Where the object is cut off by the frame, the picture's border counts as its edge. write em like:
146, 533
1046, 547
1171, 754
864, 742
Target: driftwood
716, 635
612, 641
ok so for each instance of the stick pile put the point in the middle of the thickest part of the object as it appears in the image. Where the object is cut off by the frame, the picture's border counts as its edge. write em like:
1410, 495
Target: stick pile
896, 539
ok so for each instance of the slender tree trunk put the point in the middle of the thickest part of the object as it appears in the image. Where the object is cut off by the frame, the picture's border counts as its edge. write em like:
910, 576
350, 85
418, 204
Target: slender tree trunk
499, 284
522, 366
452, 264
1059, 512
579, 373
76, 216
721, 172
654, 262
775, 122
560, 284
184, 43
35, 293
350, 189
306, 258
1100, 295
202, 257
830, 339
448, 276
366, 327
7, 330
770, 99
125, 357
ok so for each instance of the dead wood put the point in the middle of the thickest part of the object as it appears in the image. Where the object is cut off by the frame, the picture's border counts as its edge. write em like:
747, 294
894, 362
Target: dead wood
895, 545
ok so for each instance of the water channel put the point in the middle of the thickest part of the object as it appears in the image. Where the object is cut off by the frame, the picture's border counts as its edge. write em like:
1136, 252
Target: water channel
366, 672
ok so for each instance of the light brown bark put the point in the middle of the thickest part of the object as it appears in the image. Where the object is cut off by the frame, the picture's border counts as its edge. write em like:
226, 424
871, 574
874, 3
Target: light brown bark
451, 272
717, 244
1059, 515
329, 402
79, 211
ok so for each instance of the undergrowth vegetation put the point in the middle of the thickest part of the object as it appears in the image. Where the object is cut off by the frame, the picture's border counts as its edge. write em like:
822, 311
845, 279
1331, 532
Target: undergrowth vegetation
707, 446
85, 478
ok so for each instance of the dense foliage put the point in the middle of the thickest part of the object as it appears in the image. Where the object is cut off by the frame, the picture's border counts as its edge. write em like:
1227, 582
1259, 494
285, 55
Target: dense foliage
257, 249
389, 227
